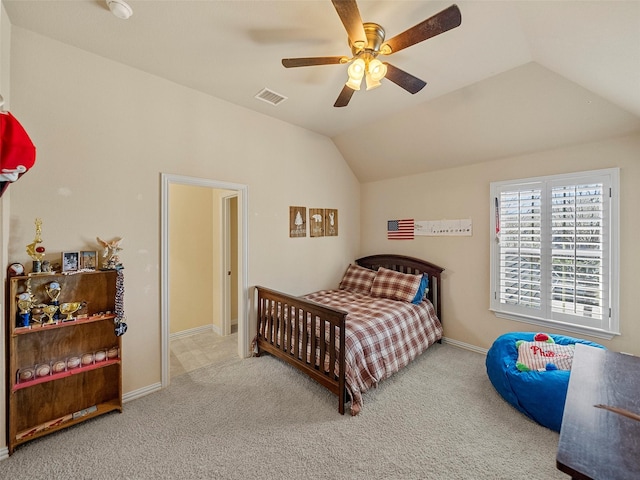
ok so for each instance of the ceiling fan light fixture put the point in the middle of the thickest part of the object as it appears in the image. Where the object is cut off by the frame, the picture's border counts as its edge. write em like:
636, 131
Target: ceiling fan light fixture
372, 82
356, 71
367, 41
354, 84
120, 8
376, 70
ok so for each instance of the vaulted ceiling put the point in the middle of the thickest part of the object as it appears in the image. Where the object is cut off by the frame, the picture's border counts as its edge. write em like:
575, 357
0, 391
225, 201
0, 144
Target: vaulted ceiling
515, 77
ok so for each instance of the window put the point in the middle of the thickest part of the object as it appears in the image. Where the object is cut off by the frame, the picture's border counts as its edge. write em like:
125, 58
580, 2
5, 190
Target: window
554, 255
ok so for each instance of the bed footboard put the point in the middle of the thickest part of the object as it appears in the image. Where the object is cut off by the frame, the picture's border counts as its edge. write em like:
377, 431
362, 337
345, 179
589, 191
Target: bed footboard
290, 328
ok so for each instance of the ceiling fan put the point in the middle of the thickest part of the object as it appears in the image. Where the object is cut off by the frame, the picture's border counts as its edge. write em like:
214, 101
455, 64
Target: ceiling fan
367, 41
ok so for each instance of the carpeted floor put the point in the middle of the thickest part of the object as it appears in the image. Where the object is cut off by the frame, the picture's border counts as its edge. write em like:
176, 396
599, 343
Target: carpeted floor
258, 418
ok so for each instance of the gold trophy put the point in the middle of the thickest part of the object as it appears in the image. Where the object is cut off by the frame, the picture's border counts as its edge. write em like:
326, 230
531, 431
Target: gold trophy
26, 301
69, 309
53, 290
24, 304
50, 311
35, 250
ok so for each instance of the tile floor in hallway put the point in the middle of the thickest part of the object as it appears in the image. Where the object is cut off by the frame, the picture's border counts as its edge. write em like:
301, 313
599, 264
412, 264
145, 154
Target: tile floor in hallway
199, 350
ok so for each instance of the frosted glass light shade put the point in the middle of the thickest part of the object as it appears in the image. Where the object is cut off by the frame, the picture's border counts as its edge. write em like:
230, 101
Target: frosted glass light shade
356, 72
371, 82
377, 70
120, 8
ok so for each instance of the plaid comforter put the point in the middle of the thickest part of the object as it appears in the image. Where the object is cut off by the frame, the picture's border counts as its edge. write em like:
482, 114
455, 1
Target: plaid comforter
382, 336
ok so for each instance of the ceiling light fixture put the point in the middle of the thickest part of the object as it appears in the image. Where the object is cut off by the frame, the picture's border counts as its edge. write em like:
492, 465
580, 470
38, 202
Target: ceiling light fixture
120, 8
356, 71
371, 83
376, 70
366, 65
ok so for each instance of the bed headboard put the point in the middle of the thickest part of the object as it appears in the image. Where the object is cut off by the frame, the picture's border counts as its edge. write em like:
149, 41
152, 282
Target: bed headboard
404, 264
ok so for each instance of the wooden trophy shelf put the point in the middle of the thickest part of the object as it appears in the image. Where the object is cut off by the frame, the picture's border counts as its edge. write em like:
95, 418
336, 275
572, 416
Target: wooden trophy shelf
65, 372
39, 327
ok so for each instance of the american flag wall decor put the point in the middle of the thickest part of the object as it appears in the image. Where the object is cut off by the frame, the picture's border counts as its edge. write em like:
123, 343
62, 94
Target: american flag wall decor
400, 229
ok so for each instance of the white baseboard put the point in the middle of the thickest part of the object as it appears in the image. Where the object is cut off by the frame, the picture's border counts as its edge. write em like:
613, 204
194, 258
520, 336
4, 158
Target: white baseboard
193, 331
466, 346
141, 392
4, 453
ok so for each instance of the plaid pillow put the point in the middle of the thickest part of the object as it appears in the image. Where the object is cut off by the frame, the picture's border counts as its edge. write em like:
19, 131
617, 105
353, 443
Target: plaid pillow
395, 285
357, 279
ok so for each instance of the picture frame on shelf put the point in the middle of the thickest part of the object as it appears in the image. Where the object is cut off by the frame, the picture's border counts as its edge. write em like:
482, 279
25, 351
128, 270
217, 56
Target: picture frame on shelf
88, 260
70, 261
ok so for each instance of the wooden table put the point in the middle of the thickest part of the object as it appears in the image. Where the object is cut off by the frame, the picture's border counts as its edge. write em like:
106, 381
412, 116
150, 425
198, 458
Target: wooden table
596, 442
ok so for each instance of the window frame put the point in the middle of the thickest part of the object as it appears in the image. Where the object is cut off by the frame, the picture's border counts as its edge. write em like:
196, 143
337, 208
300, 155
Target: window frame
609, 326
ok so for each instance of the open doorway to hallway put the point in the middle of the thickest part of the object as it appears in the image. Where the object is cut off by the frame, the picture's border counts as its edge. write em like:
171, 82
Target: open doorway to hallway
191, 352
203, 267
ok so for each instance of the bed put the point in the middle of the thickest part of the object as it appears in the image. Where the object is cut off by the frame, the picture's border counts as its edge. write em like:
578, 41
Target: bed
386, 312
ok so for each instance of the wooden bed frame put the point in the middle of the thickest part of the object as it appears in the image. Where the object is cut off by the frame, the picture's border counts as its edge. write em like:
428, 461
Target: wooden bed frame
295, 346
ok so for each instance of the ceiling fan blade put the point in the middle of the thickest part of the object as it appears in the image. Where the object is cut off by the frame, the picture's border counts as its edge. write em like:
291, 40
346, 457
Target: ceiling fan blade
311, 61
441, 22
344, 97
350, 16
403, 79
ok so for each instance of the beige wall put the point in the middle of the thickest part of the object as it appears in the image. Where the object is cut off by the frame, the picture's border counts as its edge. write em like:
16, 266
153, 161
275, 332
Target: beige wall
196, 263
105, 132
191, 257
5, 42
464, 193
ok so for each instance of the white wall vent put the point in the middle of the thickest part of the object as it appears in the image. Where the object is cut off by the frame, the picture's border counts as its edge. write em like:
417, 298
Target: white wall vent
270, 96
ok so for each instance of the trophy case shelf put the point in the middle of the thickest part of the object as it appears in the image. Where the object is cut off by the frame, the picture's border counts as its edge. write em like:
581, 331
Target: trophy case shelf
65, 372
38, 327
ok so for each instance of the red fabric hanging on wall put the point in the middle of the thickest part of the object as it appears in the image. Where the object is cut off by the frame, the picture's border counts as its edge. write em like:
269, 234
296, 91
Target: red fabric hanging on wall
17, 152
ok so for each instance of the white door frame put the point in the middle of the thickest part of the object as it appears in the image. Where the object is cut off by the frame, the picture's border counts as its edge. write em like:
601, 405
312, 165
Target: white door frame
243, 293
226, 263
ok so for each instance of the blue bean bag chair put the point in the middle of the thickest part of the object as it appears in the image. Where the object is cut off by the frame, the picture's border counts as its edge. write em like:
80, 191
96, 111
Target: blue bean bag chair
540, 395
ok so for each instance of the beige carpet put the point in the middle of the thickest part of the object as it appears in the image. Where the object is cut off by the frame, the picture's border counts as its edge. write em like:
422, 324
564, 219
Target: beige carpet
258, 418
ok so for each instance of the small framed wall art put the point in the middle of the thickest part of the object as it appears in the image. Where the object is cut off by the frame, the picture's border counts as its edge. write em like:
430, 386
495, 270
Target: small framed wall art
330, 222
316, 222
70, 261
297, 222
88, 260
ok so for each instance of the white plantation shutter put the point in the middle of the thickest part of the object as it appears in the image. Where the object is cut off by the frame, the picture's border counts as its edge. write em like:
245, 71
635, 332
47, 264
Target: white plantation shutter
579, 236
553, 260
520, 247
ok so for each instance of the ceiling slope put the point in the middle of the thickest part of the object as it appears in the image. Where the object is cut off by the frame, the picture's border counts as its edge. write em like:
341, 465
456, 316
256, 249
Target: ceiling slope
524, 110
516, 76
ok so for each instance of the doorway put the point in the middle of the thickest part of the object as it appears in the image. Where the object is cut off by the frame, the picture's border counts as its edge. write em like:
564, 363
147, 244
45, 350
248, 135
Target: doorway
232, 195
229, 263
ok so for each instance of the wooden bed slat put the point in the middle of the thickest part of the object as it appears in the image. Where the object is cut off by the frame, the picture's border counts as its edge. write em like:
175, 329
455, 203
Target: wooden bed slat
282, 332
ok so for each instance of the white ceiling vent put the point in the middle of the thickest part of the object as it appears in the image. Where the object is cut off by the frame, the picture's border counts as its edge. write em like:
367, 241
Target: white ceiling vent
270, 96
